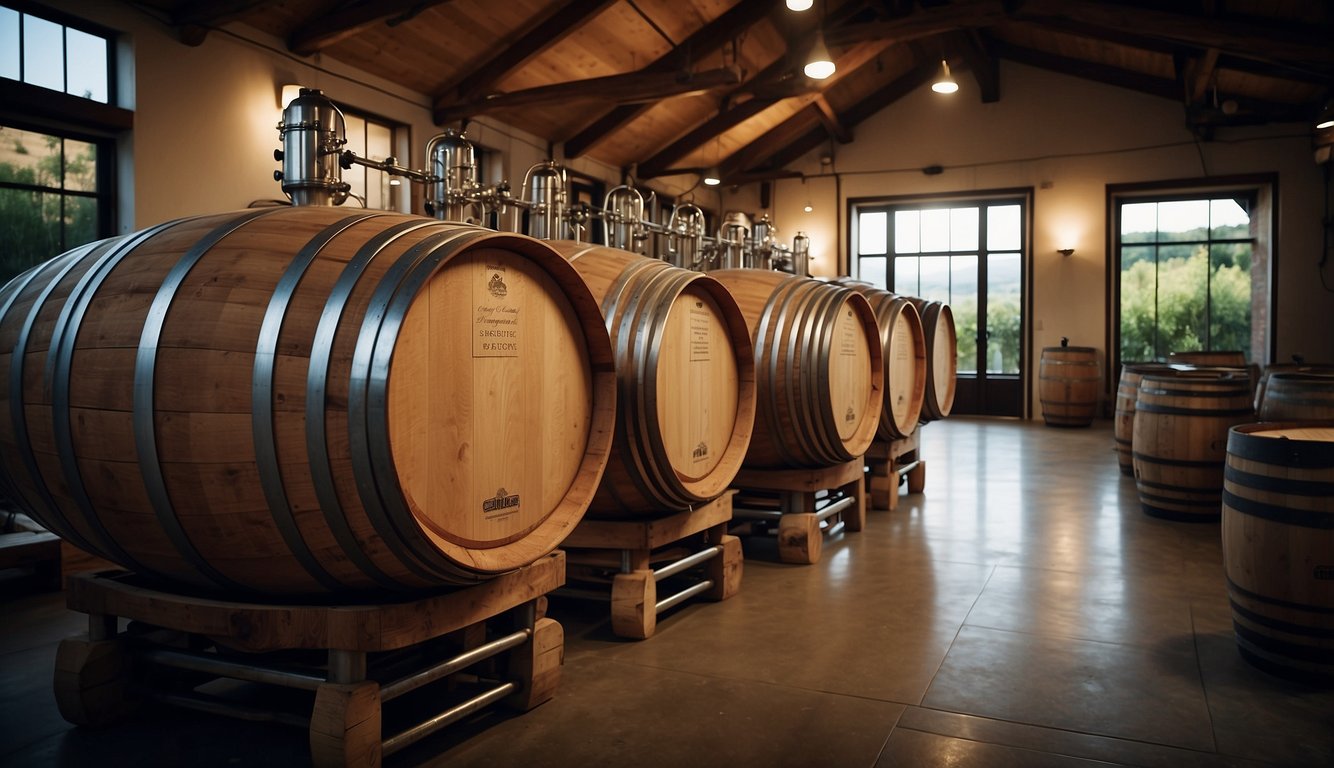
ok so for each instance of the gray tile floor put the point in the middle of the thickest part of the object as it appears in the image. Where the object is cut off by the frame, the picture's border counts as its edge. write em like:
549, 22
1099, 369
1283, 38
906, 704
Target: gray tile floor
1021, 612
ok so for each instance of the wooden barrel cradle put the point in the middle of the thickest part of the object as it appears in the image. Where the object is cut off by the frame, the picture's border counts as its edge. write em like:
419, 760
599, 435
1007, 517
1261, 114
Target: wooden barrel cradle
1230, 358
1069, 379
1278, 546
1180, 439
818, 368
903, 344
686, 378
942, 357
1127, 391
295, 401
1262, 382
1297, 397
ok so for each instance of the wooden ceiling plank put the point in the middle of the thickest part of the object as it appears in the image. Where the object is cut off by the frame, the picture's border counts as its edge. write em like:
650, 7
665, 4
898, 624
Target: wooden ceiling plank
708, 39
926, 22
1135, 81
323, 30
633, 87
981, 61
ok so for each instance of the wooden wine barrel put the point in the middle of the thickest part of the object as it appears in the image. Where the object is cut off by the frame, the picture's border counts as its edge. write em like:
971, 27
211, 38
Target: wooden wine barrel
1278, 546
903, 344
1262, 381
1180, 439
818, 368
1297, 397
1233, 358
1127, 390
306, 400
685, 373
1069, 379
942, 357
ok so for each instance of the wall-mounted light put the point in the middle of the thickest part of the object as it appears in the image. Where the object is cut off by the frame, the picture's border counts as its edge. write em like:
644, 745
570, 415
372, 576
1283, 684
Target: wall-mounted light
820, 65
799, 5
1065, 251
945, 82
287, 93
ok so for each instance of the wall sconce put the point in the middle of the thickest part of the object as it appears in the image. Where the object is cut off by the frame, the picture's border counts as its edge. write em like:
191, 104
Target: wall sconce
287, 93
1065, 251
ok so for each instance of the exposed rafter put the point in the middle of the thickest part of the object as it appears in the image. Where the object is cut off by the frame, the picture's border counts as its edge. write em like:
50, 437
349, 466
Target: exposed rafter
193, 20
981, 61
830, 120
927, 22
323, 30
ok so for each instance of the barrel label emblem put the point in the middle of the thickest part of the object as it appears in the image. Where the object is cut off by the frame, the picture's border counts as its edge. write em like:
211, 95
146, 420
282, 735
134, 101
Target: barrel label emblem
851, 415
1324, 572
496, 330
701, 451
505, 503
701, 329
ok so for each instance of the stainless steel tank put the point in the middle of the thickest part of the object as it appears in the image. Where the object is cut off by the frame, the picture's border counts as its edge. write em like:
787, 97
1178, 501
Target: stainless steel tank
452, 165
623, 210
544, 191
313, 133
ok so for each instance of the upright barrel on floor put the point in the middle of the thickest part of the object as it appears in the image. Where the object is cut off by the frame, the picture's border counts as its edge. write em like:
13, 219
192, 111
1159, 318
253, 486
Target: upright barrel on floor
1180, 440
685, 372
1304, 396
1278, 546
1262, 382
307, 400
818, 368
904, 346
1069, 379
1127, 392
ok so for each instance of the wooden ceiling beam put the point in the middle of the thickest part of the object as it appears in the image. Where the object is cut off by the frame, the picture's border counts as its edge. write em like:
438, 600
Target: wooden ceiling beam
193, 20
631, 88
927, 22
1135, 81
705, 41
825, 113
323, 30
546, 32
1198, 74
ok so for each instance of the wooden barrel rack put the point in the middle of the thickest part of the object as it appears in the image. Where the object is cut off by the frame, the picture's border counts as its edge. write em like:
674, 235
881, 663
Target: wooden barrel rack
634, 555
801, 506
495, 627
891, 463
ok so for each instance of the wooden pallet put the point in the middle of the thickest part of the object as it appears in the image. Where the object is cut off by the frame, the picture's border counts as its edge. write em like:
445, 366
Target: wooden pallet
38, 550
888, 464
102, 675
805, 504
631, 548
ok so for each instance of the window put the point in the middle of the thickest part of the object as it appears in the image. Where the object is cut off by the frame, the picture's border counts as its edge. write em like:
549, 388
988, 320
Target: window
374, 139
51, 55
1192, 273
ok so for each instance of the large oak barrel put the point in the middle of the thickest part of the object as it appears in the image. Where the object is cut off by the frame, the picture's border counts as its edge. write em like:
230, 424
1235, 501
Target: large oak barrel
1232, 358
1069, 379
305, 400
1278, 546
1180, 439
1297, 397
1127, 391
685, 373
903, 344
818, 368
1262, 382
942, 357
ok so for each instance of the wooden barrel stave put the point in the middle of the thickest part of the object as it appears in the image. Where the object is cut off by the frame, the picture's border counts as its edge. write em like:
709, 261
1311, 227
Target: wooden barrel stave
1278, 546
215, 298
1069, 379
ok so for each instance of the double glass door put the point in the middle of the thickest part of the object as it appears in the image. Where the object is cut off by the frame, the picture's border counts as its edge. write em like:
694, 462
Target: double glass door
968, 254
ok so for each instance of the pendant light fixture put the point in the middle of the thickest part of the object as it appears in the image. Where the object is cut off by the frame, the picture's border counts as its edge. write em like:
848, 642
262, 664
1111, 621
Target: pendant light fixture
712, 178
799, 5
945, 83
820, 64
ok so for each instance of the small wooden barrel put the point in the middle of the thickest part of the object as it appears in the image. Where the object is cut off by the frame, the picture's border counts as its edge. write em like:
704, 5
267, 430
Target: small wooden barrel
1232, 358
1127, 391
1297, 397
942, 357
685, 371
904, 346
1180, 439
1068, 382
306, 400
1262, 381
1278, 546
818, 368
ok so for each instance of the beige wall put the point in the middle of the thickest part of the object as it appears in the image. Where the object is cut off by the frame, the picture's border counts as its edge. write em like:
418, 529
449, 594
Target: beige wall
1066, 140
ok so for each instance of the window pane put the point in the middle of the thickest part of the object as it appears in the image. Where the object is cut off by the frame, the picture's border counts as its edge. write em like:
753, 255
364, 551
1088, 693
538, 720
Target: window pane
1003, 311
963, 229
1183, 220
872, 232
1183, 271
27, 157
1003, 228
86, 57
871, 269
1139, 307
43, 52
80, 221
1230, 297
963, 304
936, 230
31, 223
906, 276
907, 232
80, 166
934, 280
356, 141
9, 43
1228, 219
1139, 222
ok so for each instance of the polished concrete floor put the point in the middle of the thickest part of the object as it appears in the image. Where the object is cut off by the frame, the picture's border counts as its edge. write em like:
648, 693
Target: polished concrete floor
1020, 612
